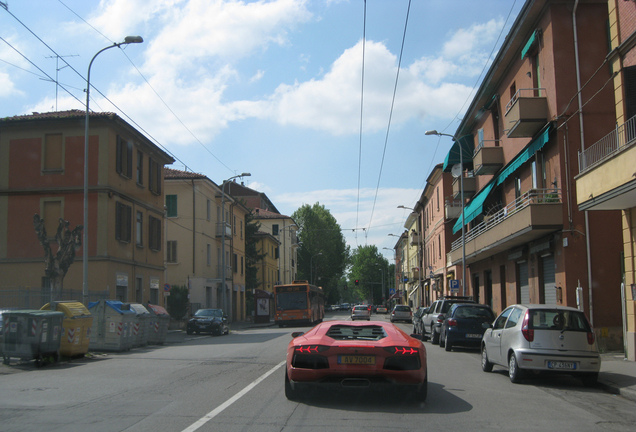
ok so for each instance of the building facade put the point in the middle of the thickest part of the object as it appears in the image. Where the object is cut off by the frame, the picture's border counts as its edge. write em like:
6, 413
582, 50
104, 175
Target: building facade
42, 172
284, 229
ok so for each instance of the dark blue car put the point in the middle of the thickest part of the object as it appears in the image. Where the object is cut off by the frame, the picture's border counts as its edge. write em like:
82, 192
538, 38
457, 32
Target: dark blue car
464, 325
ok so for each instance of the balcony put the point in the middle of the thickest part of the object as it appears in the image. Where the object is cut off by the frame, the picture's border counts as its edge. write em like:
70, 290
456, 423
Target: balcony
533, 215
415, 272
452, 208
219, 229
414, 238
470, 187
526, 113
487, 160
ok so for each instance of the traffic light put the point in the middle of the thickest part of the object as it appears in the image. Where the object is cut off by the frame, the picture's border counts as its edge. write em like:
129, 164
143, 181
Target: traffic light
357, 282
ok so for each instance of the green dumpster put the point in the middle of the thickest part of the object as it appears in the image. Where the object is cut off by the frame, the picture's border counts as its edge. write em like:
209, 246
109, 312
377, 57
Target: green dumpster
31, 335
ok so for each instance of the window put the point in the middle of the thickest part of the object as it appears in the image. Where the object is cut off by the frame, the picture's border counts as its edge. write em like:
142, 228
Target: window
276, 253
154, 176
208, 210
123, 222
140, 167
241, 223
629, 75
171, 205
275, 229
139, 289
171, 251
437, 192
235, 263
52, 212
124, 157
140, 229
242, 266
209, 255
439, 245
53, 153
154, 233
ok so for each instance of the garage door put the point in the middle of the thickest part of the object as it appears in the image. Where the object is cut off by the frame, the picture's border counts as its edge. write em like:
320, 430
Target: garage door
549, 285
524, 286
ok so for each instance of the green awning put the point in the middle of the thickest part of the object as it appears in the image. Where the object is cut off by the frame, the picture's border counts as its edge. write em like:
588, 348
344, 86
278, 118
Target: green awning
467, 146
530, 44
474, 208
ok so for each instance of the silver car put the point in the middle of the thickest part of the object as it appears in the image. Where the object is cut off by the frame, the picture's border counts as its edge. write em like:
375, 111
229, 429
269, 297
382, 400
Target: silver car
539, 338
402, 313
361, 312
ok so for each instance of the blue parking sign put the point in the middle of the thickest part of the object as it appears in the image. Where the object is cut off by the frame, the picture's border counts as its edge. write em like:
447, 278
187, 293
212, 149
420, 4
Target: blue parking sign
454, 284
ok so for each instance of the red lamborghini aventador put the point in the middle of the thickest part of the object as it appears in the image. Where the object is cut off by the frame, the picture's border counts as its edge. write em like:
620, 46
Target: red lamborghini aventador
356, 355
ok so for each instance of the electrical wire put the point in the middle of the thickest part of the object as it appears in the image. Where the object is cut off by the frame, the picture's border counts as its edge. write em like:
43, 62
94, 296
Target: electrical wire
364, 38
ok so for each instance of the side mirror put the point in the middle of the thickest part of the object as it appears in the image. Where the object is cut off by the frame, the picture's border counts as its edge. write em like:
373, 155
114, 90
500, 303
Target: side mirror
296, 334
486, 325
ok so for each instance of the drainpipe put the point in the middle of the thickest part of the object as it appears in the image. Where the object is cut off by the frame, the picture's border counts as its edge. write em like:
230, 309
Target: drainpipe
587, 225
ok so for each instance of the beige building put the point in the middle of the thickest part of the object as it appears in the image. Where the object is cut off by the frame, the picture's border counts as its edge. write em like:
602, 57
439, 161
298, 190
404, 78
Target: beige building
42, 172
194, 242
284, 229
268, 245
607, 167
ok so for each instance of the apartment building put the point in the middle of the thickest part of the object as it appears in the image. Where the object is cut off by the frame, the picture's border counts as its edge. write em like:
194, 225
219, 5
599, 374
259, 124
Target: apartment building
606, 177
527, 241
199, 217
284, 229
42, 172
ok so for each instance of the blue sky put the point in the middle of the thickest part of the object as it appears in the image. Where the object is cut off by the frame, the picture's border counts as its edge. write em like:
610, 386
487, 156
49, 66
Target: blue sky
270, 87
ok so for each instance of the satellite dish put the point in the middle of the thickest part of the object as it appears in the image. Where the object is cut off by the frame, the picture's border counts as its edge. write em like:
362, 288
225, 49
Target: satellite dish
456, 170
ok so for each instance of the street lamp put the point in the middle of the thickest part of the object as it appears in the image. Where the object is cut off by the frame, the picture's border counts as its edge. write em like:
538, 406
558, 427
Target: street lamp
311, 269
461, 188
127, 40
224, 297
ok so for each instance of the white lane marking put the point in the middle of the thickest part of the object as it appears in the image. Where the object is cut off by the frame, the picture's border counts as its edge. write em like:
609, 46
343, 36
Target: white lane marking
209, 416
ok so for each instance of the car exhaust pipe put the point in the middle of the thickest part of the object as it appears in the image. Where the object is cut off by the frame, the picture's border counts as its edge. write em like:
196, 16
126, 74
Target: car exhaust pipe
355, 382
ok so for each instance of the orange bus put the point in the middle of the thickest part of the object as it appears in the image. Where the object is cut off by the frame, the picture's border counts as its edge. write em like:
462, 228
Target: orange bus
299, 303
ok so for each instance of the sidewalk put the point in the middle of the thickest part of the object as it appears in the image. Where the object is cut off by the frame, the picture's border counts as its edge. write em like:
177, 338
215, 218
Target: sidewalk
618, 376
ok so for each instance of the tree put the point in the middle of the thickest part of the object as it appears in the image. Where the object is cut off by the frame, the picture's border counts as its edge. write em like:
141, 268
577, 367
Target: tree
252, 258
323, 254
177, 302
372, 270
56, 265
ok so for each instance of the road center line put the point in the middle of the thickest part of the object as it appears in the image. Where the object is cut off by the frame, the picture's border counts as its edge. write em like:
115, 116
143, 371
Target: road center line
209, 416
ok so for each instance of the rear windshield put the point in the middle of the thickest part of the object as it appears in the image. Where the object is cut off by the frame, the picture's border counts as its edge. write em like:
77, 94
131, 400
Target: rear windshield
546, 319
475, 312
362, 308
345, 332
402, 308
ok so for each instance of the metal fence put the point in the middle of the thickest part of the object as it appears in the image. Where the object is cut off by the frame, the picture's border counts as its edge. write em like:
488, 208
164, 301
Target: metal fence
35, 298
620, 138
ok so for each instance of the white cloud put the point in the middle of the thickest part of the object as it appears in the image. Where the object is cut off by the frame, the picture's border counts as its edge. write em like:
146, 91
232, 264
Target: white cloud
257, 76
468, 41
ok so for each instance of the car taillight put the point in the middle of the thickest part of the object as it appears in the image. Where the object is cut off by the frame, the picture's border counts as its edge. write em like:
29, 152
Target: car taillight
440, 318
311, 349
590, 338
452, 322
401, 350
527, 332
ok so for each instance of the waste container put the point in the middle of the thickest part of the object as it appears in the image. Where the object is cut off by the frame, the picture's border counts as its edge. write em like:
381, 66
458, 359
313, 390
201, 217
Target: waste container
141, 324
159, 323
31, 334
112, 328
76, 327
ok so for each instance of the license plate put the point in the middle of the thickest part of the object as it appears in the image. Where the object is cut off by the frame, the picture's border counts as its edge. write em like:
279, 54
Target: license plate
561, 365
474, 336
356, 359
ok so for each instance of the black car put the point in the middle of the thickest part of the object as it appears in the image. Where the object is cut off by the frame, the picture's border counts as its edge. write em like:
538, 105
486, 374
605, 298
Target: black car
433, 319
208, 321
417, 320
464, 325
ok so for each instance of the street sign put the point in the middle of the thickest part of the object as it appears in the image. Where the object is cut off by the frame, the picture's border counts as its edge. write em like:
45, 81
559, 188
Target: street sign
391, 291
166, 287
454, 285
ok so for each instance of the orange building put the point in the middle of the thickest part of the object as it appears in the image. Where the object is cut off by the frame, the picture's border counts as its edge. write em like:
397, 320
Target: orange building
42, 172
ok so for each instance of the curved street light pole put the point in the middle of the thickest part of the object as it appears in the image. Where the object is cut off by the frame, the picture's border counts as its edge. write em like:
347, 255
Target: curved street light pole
223, 264
461, 188
127, 40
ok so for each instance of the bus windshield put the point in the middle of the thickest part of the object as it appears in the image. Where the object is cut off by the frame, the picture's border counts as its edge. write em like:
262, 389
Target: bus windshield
291, 300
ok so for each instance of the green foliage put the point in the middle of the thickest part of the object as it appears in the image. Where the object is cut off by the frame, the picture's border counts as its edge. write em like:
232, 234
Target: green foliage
177, 302
323, 255
252, 257
372, 269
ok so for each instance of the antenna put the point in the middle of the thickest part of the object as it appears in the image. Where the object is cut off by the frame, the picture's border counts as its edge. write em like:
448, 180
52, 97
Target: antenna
57, 69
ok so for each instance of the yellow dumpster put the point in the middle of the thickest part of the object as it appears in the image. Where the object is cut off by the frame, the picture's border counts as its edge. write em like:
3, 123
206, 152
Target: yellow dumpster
76, 327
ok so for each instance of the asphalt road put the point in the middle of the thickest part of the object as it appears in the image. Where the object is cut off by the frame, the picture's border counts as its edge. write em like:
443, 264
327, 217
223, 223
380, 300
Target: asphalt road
235, 383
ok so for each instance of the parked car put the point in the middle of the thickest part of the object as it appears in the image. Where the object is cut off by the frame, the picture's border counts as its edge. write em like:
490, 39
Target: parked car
356, 357
433, 319
360, 312
401, 313
465, 324
345, 307
208, 321
542, 338
417, 320
381, 309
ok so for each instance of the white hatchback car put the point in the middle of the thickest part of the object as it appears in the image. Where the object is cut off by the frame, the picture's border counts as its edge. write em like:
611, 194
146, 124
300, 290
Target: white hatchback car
361, 312
402, 313
541, 338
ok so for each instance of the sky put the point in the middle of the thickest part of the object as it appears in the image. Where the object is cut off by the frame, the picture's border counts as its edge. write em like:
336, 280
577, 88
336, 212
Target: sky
321, 101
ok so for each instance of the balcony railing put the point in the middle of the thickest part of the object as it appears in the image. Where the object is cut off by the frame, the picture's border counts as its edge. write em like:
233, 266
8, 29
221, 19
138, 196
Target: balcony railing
219, 229
533, 196
453, 208
619, 139
526, 113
